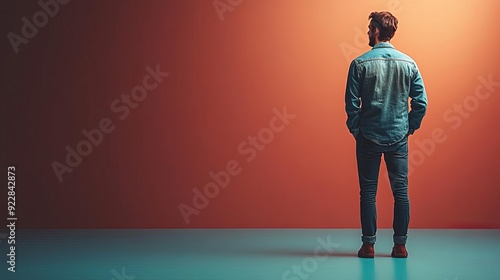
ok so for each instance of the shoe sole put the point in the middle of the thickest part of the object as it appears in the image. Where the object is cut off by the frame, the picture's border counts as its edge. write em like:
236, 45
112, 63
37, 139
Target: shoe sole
399, 256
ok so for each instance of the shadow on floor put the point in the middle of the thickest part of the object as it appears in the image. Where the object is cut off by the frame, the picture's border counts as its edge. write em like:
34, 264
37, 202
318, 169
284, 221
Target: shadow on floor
304, 253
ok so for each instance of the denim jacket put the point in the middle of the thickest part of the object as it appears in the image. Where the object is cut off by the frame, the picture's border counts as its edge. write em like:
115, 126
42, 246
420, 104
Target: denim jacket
379, 84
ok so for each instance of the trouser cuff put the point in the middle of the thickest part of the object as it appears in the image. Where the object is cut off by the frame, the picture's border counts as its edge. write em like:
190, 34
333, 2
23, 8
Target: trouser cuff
400, 239
369, 239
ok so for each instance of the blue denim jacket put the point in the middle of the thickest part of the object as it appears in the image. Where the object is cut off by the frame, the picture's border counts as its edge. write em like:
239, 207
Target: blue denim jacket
379, 84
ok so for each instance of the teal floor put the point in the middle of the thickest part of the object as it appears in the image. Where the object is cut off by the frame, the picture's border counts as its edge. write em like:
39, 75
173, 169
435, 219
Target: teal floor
294, 254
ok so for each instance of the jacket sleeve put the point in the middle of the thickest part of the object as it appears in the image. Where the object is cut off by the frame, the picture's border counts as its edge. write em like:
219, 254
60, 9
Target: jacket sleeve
418, 102
352, 98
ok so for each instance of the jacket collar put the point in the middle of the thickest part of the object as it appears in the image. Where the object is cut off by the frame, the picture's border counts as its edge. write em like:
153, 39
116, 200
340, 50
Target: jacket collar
383, 45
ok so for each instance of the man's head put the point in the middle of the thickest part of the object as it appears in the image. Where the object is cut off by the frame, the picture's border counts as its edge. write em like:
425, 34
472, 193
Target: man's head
382, 27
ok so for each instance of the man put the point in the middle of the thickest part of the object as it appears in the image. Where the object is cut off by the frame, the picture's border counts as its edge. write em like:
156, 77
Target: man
379, 84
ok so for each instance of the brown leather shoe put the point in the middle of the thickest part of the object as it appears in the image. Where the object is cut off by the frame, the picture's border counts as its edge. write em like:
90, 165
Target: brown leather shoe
399, 251
366, 251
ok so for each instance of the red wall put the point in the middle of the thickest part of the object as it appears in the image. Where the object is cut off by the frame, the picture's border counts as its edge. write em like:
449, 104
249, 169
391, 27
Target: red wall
229, 75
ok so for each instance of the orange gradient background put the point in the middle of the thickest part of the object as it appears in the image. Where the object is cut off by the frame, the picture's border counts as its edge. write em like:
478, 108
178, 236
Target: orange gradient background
225, 79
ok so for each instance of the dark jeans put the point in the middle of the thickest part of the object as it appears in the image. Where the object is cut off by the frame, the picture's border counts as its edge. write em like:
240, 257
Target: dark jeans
368, 156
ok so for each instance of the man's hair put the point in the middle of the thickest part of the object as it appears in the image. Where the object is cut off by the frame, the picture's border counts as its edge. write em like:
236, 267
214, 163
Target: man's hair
386, 23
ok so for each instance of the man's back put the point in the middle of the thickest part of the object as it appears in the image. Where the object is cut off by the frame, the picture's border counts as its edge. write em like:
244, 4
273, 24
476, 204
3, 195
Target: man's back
384, 78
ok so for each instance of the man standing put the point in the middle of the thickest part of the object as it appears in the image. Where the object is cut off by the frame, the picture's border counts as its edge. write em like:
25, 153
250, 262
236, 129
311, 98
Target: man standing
379, 84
